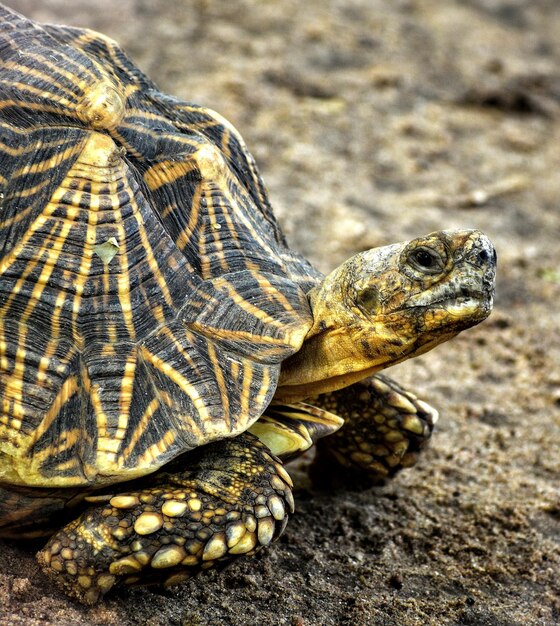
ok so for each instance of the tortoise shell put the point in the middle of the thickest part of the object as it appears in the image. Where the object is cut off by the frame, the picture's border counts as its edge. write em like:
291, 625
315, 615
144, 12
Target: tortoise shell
147, 296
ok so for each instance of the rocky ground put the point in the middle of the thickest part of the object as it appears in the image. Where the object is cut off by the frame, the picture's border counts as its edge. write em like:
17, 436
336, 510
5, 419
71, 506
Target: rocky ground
373, 122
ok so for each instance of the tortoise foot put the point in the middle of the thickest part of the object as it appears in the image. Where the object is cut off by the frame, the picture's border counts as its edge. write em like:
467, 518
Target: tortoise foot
233, 500
385, 428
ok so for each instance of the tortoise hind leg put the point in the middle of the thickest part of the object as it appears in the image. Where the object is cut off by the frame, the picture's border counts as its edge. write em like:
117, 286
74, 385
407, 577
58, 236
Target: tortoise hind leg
233, 498
385, 427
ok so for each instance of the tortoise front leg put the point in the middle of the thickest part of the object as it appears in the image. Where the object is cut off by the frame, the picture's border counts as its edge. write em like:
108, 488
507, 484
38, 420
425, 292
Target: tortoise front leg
385, 427
233, 499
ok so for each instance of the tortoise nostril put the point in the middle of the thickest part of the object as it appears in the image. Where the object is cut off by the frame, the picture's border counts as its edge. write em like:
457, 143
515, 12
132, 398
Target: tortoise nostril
487, 255
483, 256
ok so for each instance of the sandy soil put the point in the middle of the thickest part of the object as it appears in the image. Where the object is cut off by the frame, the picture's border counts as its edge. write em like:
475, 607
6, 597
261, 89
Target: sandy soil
373, 122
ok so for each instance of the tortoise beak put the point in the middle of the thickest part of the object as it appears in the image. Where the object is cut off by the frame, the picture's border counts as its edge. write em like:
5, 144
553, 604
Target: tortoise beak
483, 255
480, 255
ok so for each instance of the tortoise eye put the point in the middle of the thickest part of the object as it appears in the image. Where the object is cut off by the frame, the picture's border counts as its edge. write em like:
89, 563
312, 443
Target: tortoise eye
426, 260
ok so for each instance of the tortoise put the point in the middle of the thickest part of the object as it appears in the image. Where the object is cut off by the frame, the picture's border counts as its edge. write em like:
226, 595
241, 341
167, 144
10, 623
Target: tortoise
163, 352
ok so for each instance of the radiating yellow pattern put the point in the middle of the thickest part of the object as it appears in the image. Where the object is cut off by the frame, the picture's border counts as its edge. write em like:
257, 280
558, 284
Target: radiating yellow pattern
112, 364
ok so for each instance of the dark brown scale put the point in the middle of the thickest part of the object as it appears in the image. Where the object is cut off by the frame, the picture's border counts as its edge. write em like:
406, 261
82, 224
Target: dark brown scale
138, 531
375, 441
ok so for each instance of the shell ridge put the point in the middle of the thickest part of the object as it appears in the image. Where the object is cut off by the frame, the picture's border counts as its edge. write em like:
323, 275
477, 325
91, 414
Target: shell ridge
147, 266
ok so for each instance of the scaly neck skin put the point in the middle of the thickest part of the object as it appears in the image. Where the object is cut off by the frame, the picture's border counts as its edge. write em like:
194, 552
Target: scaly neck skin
382, 306
334, 354
339, 349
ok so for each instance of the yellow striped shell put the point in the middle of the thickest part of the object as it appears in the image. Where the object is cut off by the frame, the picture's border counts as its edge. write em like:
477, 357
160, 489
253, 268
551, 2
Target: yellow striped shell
147, 297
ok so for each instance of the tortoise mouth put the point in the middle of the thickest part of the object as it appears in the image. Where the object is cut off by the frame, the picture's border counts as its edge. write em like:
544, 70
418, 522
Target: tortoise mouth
464, 303
467, 305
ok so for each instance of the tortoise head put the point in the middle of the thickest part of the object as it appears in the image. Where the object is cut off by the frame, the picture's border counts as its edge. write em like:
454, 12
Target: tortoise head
388, 304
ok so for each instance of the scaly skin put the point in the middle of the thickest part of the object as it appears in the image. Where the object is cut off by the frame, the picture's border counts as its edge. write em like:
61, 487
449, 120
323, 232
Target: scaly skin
385, 428
388, 304
233, 498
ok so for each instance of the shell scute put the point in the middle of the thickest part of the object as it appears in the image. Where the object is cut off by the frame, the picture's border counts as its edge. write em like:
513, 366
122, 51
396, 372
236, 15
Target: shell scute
147, 297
